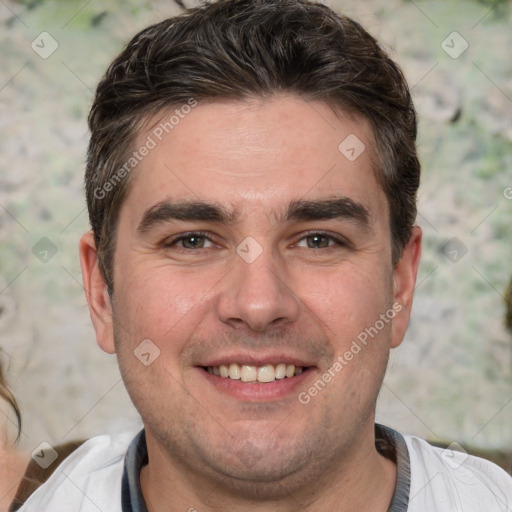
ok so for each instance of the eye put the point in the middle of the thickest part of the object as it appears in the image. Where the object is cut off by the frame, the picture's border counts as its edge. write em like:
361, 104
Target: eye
190, 241
319, 241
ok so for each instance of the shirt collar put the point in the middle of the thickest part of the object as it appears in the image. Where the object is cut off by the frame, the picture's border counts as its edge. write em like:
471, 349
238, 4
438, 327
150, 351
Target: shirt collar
389, 443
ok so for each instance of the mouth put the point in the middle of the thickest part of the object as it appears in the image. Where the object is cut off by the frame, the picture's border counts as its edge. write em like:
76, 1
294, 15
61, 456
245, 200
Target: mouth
269, 377
251, 373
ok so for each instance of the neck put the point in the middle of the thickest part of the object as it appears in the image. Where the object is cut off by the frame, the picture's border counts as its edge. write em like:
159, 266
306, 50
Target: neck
359, 480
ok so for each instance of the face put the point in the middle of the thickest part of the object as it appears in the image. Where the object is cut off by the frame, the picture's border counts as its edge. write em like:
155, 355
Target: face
250, 245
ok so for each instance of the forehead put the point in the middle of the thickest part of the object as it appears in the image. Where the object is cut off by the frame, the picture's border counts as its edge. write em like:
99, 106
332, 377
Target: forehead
255, 155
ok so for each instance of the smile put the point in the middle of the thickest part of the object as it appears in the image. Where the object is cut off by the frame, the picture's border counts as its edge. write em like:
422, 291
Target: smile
251, 373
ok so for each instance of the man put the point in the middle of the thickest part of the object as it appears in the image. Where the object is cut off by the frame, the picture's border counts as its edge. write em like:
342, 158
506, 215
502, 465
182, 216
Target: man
251, 184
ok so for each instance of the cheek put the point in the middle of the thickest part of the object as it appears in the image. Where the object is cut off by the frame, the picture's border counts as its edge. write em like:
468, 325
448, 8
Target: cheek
161, 304
346, 301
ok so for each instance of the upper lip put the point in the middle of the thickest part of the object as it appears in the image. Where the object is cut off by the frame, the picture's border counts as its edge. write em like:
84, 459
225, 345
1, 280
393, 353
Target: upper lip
255, 360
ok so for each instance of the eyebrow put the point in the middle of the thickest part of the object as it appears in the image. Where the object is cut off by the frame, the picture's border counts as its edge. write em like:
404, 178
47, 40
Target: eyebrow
326, 209
185, 211
198, 211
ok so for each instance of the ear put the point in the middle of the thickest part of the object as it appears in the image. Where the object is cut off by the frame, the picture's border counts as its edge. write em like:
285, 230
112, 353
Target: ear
404, 282
96, 292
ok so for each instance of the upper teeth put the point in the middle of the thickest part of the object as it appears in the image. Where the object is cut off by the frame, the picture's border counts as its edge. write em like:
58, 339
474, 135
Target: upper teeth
250, 373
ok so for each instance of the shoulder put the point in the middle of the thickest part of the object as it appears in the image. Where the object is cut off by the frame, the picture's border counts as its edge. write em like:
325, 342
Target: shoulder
455, 481
91, 474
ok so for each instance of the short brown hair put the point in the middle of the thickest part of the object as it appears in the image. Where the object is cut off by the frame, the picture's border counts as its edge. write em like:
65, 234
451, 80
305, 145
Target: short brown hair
237, 49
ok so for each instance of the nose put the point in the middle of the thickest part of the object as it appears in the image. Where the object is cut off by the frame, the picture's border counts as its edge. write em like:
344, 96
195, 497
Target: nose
256, 296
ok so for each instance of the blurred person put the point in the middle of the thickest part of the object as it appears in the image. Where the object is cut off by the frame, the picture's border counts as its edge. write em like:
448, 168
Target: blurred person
508, 307
20, 475
251, 184
13, 462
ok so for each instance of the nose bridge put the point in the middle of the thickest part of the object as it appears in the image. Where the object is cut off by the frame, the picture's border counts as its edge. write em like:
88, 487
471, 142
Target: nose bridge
259, 280
256, 293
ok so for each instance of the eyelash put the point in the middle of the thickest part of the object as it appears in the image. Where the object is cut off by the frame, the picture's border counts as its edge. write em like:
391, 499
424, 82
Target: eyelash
339, 241
176, 240
336, 239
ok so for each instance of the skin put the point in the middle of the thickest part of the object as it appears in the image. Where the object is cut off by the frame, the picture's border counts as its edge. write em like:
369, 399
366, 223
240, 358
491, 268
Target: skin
12, 469
306, 299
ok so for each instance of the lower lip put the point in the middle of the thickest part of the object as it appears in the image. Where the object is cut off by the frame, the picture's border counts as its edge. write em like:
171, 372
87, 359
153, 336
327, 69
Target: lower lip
257, 391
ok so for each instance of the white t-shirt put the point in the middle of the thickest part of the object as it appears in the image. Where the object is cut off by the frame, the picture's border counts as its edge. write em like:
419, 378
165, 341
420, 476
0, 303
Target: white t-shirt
103, 475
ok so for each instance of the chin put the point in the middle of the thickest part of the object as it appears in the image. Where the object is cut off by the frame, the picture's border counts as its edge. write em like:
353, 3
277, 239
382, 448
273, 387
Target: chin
265, 477
255, 465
